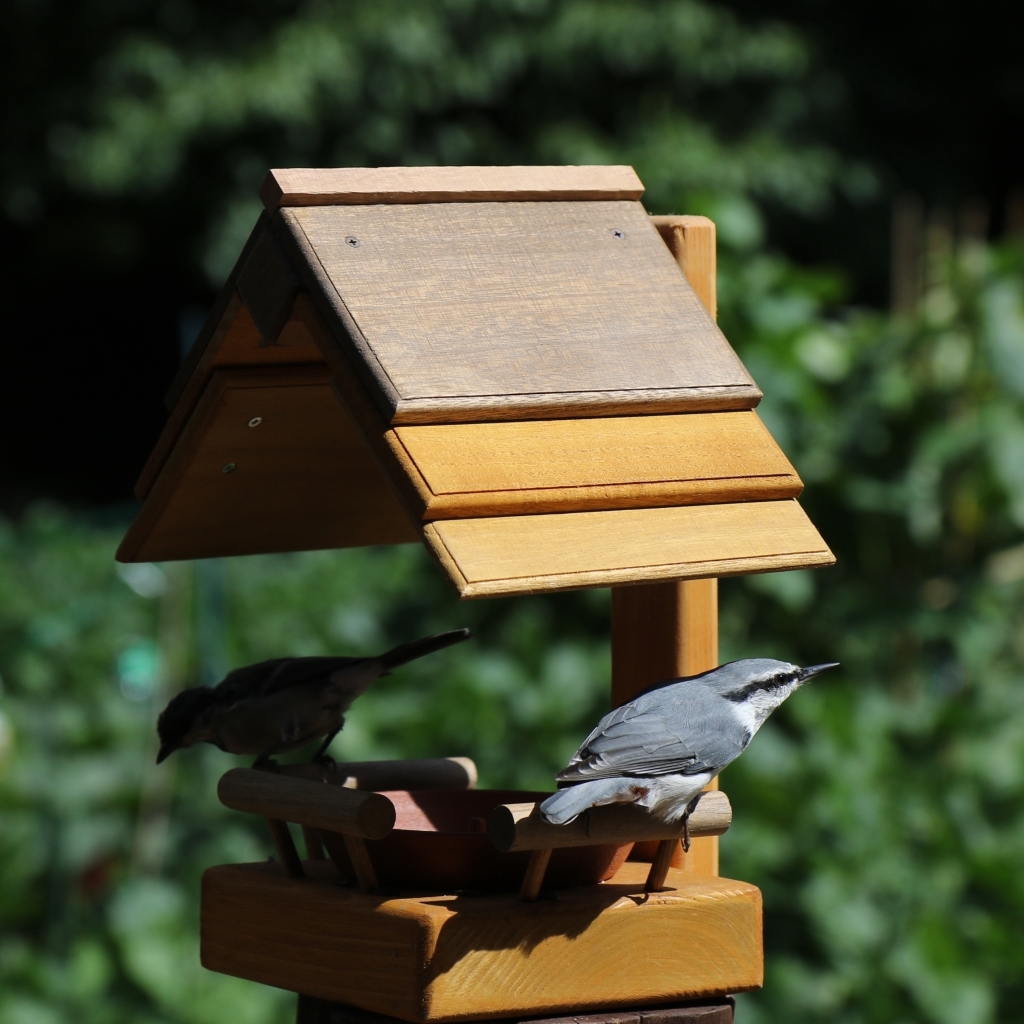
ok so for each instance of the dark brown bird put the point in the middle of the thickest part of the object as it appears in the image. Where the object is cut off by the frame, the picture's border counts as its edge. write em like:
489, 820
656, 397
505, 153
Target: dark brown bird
281, 705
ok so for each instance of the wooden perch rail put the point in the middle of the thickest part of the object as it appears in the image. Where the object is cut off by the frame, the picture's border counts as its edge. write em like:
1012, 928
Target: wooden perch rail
334, 808
378, 776
520, 826
340, 815
339, 818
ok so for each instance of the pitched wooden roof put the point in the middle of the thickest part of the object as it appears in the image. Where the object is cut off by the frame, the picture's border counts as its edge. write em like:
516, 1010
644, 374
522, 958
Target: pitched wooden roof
529, 386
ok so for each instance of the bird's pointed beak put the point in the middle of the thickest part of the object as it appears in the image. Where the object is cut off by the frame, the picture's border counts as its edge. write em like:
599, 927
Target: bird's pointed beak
166, 750
814, 670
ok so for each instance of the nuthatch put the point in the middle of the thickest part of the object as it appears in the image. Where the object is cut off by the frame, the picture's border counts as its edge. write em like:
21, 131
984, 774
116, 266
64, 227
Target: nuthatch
661, 748
283, 704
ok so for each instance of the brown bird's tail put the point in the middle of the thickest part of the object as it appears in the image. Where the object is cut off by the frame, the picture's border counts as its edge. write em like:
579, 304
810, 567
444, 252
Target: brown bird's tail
418, 648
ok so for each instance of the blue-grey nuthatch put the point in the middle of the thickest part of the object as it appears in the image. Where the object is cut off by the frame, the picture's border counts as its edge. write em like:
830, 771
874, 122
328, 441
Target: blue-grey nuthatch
661, 748
283, 704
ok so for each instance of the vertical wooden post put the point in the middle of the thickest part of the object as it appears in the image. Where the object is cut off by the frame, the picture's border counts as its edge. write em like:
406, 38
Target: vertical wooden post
660, 631
671, 629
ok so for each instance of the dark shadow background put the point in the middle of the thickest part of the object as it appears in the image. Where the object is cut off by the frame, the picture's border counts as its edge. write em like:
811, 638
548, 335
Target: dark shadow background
100, 295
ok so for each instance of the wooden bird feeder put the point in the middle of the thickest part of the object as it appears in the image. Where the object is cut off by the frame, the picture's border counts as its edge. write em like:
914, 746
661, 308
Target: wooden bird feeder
520, 368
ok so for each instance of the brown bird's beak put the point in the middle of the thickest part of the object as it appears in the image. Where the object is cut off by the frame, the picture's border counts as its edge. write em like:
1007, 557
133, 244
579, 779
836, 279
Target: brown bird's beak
166, 750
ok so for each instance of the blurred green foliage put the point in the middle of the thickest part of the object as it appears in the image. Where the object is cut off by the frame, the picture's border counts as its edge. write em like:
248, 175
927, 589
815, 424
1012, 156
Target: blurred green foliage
185, 106
880, 811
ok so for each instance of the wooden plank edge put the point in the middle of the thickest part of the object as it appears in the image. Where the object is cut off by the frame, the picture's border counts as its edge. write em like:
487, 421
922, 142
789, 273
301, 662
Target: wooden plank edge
610, 497
437, 547
283, 187
420, 494
692, 241
406, 482
340, 328
576, 405
648, 574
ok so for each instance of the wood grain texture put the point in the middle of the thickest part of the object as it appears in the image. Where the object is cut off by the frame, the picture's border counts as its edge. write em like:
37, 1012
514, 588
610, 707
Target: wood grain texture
514, 310
330, 186
465, 470
375, 776
359, 857
302, 477
520, 827
664, 859
236, 343
534, 877
268, 286
532, 554
307, 802
285, 845
692, 240
662, 631
446, 958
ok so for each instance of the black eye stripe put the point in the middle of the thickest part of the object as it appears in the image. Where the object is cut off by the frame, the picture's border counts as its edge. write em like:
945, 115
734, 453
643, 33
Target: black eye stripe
739, 696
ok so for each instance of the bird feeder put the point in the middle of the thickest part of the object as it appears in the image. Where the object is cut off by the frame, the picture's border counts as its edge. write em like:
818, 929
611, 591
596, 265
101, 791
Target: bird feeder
519, 368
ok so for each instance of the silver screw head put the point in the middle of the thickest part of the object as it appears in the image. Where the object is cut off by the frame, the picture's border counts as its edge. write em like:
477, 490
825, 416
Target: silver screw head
618, 233
228, 467
353, 242
255, 421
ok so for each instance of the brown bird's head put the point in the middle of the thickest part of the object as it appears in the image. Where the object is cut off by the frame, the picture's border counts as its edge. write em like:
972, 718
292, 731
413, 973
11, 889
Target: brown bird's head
180, 718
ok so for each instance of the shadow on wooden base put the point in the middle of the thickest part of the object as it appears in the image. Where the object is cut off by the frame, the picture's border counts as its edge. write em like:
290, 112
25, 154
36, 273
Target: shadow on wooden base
470, 956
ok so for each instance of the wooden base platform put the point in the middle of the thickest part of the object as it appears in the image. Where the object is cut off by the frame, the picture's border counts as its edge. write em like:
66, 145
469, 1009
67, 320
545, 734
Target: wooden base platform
469, 957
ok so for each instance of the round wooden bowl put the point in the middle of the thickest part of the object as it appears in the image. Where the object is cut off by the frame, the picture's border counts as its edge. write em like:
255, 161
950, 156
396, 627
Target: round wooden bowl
440, 842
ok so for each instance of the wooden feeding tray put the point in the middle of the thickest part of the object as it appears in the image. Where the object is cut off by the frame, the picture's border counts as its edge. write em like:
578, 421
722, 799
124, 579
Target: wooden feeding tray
376, 926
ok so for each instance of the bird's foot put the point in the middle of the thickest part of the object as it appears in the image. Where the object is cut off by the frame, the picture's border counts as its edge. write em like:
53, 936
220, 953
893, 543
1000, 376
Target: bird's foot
686, 833
325, 760
265, 763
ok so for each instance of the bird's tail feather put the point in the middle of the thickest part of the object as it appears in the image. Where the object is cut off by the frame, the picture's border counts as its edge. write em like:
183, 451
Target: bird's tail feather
562, 807
418, 648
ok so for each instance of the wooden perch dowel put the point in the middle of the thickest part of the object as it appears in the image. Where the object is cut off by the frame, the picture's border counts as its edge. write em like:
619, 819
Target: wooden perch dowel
334, 808
419, 773
534, 877
286, 848
520, 826
660, 865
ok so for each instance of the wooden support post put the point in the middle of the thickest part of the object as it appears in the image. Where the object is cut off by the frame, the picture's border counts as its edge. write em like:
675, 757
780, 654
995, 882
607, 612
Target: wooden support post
286, 847
671, 629
534, 877
660, 631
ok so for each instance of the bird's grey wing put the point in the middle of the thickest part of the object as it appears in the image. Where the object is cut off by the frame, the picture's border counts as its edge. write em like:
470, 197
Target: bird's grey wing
267, 677
658, 740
